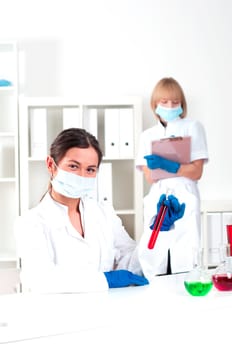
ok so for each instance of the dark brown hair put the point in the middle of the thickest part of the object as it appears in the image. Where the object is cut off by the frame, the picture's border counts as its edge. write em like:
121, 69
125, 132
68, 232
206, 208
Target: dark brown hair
73, 137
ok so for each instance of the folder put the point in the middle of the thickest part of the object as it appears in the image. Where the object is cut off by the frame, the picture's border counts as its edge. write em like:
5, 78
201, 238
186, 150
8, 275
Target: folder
71, 117
177, 149
38, 132
126, 133
90, 121
104, 183
119, 133
111, 120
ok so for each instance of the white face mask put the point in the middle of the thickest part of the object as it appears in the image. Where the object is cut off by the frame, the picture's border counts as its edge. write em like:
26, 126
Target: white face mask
71, 185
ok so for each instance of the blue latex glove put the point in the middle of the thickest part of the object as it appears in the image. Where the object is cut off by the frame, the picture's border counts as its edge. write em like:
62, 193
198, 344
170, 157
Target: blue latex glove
124, 278
157, 162
175, 211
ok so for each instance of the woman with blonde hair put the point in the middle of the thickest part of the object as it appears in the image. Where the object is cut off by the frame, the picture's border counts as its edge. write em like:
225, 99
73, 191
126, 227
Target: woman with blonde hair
174, 248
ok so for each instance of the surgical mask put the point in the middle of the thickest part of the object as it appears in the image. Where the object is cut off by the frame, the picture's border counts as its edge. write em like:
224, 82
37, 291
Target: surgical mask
168, 114
71, 185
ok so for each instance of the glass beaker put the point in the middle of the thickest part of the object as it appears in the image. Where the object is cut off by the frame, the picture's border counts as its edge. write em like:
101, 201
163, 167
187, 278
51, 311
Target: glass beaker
198, 282
222, 277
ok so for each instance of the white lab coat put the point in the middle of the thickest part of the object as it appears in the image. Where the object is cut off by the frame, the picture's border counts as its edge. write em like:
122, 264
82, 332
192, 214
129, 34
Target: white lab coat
56, 258
185, 236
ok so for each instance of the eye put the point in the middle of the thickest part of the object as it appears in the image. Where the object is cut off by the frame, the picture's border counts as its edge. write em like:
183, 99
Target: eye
73, 166
91, 170
163, 101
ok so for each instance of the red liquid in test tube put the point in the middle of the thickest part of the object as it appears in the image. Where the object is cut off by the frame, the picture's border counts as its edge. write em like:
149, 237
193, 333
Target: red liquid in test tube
157, 226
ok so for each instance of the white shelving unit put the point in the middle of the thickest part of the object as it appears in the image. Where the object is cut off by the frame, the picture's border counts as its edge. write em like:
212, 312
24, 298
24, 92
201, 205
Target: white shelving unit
116, 122
215, 215
9, 174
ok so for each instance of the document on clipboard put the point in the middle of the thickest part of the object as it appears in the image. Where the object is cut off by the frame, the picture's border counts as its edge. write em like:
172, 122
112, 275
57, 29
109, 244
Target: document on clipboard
177, 149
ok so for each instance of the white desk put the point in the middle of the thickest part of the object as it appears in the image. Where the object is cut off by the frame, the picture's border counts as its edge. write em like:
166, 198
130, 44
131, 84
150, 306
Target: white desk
159, 316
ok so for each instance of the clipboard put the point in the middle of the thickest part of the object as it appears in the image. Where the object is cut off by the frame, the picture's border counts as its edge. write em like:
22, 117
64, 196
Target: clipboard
177, 149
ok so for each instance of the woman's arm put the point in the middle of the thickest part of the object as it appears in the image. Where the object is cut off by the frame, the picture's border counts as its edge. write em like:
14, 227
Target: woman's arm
40, 274
147, 174
192, 171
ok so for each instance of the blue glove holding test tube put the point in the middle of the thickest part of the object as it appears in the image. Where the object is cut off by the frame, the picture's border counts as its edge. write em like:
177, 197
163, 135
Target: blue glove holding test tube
175, 211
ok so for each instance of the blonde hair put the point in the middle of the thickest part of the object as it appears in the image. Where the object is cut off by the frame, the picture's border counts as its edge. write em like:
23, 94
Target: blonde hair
168, 88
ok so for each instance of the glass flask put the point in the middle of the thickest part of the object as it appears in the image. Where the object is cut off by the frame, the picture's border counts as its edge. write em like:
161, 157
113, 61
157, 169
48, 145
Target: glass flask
198, 282
222, 276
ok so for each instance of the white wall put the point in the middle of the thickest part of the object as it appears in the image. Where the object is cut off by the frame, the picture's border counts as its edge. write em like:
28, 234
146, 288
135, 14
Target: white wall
124, 47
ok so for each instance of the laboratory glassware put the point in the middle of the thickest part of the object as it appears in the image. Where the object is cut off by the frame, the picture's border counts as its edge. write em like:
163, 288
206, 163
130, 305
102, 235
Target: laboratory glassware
198, 282
222, 276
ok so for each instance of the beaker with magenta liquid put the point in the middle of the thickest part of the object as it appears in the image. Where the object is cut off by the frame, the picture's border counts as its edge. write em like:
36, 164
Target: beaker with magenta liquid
222, 277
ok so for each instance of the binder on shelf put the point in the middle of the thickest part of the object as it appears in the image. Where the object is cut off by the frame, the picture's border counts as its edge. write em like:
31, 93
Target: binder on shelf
71, 117
104, 183
126, 133
38, 132
173, 148
111, 119
90, 121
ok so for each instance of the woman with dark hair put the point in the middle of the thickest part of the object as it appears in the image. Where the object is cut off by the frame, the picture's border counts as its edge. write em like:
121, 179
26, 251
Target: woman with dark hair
70, 242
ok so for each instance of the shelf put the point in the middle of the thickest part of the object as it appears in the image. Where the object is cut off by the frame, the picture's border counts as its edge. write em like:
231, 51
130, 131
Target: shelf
126, 212
31, 159
7, 89
41, 119
8, 257
7, 134
9, 164
115, 159
8, 179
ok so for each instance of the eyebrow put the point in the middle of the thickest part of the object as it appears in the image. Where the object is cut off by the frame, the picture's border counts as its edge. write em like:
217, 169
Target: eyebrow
78, 163
170, 99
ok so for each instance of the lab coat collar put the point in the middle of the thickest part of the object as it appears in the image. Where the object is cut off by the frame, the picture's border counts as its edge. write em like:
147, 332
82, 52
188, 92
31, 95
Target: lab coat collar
53, 204
168, 130
49, 201
56, 212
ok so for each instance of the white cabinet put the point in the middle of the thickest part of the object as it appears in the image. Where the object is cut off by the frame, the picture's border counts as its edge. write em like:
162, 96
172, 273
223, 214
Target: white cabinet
9, 177
117, 124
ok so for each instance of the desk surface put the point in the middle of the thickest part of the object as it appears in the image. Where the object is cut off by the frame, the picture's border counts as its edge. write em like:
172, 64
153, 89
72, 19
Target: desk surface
160, 313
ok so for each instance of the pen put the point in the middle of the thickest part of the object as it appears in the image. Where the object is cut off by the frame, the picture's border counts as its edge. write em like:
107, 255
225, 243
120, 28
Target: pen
157, 225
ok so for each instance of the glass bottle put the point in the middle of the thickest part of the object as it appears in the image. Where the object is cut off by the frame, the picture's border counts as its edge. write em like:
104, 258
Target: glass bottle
198, 282
222, 276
